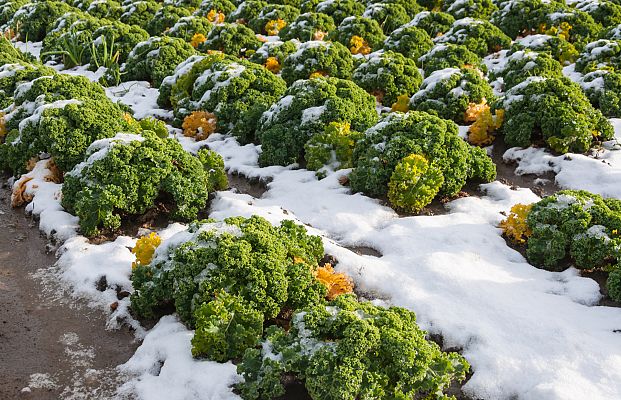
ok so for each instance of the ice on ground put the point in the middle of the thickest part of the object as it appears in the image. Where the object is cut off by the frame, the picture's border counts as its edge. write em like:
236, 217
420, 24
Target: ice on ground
599, 172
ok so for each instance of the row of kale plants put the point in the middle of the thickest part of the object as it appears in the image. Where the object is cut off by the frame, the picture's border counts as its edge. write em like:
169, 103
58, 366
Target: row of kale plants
378, 87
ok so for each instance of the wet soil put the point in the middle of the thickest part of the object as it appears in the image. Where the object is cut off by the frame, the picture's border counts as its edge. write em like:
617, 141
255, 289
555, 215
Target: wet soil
253, 187
541, 185
49, 349
365, 251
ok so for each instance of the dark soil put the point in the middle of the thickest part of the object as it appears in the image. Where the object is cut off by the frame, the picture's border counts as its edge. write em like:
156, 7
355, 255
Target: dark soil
365, 251
506, 173
49, 349
253, 187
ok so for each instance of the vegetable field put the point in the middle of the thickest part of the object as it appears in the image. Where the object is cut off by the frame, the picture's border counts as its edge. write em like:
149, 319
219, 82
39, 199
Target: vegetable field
305, 199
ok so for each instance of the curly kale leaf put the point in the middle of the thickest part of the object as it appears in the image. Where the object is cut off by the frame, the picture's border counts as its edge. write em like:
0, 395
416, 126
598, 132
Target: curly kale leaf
305, 110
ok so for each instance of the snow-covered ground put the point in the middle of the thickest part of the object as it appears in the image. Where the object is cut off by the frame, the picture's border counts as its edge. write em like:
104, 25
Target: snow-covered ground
599, 172
527, 332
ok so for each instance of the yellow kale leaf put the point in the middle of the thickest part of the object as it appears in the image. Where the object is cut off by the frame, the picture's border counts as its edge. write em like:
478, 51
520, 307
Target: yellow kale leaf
145, 248
274, 26
358, 45
215, 17
336, 283
272, 64
199, 125
480, 132
197, 39
514, 226
402, 104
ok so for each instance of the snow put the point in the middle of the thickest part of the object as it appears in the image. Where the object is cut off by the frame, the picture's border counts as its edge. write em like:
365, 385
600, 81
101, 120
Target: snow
598, 173
515, 93
312, 114
100, 148
9, 70
593, 81
433, 79
33, 48
182, 69
303, 50
534, 41
54, 221
38, 112
570, 72
141, 97
82, 70
458, 32
600, 50
217, 80
163, 368
276, 108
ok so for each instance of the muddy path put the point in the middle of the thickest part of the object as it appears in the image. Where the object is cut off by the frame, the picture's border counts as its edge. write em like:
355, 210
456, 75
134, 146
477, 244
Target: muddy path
49, 349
